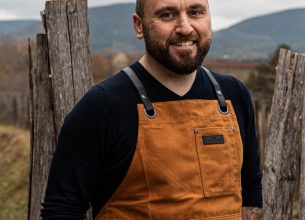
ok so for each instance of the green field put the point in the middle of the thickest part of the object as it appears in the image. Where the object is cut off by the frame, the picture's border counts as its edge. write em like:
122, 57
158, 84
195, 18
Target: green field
14, 172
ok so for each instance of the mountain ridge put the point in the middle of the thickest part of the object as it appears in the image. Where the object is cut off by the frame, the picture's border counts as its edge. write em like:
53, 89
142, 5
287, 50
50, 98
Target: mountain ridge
270, 31
253, 38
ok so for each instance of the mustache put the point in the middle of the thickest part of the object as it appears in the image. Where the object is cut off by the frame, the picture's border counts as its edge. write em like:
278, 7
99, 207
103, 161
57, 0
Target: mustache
179, 39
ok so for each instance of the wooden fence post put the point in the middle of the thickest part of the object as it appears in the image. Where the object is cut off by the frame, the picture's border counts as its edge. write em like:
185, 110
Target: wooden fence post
68, 42
62, 76
42, 133
302, 164
282, 150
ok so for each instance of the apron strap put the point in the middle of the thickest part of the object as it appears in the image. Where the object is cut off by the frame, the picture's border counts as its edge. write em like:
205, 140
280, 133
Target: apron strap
149, 109
223, 108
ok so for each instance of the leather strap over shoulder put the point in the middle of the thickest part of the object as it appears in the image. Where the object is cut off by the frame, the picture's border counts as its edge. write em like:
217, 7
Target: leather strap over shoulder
149, 109
151, 112
221, 99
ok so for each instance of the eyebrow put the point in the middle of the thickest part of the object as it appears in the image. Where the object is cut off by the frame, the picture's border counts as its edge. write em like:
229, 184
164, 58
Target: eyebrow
173, 8
198, 6
165, 8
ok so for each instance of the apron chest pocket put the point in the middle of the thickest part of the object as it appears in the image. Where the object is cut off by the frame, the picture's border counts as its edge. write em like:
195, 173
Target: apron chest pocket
215, 153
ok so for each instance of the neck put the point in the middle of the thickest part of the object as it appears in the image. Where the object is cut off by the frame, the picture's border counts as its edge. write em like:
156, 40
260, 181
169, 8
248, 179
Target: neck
178, 83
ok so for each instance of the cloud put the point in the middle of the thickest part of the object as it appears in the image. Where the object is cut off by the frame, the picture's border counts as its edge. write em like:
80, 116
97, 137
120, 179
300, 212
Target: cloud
108, 2
20, 9
7, 15
219, 22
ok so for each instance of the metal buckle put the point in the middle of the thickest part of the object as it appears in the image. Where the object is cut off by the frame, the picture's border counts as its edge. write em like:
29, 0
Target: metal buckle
151, 116
223, 112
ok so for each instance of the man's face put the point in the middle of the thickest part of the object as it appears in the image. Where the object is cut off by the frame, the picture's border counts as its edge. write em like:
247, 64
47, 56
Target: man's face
177, 33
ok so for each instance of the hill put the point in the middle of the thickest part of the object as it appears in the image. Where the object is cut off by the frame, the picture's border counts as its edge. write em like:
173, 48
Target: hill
257, 37
20, 29
111, 27
254, 38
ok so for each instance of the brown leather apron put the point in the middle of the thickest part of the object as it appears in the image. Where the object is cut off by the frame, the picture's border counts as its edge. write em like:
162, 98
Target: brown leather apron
187, 162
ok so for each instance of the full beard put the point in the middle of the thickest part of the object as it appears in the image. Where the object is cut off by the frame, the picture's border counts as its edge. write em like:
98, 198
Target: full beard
184, 63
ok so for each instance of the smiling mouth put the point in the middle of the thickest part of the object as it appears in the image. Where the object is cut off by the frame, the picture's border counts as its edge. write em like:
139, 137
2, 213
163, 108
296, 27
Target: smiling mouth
184, 43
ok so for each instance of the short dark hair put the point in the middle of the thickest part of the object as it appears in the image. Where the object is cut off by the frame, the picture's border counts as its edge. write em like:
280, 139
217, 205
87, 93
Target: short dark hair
140, 8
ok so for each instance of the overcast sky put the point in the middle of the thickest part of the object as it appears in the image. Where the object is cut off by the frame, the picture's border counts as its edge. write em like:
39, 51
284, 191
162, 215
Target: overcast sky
224, 12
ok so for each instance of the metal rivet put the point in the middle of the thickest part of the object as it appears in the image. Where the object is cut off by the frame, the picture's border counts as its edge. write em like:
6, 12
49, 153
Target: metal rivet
143, 96
219, 92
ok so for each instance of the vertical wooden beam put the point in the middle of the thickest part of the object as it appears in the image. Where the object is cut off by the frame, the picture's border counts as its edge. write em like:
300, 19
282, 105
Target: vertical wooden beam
31, 120
60, 59
68, 39
301, 68
79, 44
42, 135
282, 151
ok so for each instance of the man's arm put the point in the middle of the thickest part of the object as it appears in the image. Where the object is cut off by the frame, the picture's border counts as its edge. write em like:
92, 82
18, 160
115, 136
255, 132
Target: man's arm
251, 172
251, 213
75, 173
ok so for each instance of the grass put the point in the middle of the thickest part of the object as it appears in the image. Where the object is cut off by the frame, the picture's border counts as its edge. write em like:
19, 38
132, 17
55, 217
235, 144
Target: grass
14, 170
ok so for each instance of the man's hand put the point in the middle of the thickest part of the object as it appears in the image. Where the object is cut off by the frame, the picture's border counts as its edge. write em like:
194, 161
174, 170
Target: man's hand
251, 213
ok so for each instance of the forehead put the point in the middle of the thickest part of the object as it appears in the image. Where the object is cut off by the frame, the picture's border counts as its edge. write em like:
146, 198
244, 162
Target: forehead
151, 5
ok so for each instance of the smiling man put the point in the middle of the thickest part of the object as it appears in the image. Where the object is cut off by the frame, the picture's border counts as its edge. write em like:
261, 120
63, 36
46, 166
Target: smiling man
163, 139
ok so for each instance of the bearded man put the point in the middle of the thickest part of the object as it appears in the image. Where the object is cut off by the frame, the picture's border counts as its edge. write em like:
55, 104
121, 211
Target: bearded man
163, 139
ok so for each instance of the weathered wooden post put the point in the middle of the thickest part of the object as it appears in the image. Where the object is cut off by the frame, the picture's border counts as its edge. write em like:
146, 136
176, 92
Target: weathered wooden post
62, 76
302, 164
284, 140
42, 129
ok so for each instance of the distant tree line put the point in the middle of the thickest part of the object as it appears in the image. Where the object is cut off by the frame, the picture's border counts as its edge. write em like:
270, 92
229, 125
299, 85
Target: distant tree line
261, 80
14, 68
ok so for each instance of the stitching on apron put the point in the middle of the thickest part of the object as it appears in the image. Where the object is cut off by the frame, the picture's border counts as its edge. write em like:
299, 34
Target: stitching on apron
146, 178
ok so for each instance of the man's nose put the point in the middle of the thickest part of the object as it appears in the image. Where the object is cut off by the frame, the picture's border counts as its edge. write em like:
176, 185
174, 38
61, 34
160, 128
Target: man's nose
184, 26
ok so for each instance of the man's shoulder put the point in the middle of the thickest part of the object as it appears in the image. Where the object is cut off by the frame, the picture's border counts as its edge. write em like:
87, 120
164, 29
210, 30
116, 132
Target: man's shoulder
225, 79
115, 92
105, 98
115, 82
101, 93
230, 84
116, 87
234, 90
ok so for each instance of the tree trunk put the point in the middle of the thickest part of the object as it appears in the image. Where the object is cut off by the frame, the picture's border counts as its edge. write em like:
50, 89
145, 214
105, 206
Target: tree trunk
282, 151
62, 77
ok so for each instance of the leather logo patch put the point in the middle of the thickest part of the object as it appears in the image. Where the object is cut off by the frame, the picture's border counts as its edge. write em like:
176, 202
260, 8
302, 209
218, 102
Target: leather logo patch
213, 139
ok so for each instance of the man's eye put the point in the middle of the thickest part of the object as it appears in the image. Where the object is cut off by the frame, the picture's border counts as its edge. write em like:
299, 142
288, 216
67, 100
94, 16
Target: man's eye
195, 13
167, 15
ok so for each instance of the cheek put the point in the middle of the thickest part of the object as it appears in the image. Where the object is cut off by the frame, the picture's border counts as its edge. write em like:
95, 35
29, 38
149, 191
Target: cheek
151, 25
158, 31
205, 32
208, 29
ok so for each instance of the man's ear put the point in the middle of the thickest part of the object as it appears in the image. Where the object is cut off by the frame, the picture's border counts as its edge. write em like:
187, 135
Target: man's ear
138, 26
